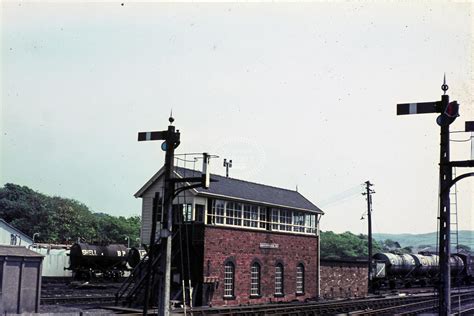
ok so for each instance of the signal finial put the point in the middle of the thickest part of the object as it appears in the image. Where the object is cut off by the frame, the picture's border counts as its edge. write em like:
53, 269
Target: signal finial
444, 87
171, 119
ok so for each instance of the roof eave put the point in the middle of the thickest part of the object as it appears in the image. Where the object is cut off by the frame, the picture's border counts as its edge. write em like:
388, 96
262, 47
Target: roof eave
149, 183
153, 179
26, 237
317, 211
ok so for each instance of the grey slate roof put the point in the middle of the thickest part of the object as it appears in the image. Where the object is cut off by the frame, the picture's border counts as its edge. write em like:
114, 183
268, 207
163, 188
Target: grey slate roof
17, 251
252, 192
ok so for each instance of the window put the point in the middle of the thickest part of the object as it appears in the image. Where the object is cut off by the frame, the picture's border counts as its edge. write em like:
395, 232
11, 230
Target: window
210, 214
229, 213
300, 279
275, 218
183, 212
238, 214
187, 212
12, 239
233, 213
255, 280
199, 213
285, 220
279, 279
298, 222
218, 207
251, 215
310, 223
263, 217
229, 271
259, 217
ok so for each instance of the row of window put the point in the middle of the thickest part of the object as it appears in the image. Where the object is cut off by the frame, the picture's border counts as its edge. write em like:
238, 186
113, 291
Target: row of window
260, 217
15, 239
255, 279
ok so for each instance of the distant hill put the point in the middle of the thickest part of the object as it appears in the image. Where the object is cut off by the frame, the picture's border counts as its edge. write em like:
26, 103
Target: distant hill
466, 237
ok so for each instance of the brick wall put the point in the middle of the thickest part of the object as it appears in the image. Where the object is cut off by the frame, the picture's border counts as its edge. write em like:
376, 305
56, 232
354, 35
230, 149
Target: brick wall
341, 279
243, 248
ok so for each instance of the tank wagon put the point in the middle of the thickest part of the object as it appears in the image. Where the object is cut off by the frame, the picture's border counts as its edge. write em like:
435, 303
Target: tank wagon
407, 270
135, 255
93, 261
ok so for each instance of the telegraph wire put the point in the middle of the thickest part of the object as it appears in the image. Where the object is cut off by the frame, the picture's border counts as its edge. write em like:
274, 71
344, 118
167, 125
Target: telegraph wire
342, 196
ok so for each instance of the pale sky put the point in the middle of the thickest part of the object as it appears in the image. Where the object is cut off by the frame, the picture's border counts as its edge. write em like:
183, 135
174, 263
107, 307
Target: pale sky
296, 94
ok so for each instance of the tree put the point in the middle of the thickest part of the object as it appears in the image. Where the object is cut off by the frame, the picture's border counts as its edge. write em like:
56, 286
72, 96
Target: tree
463, 248
60, 220
389, 244
346, 245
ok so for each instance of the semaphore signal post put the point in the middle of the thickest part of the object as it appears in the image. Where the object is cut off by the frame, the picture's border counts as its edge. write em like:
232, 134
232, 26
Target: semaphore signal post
161, 251
449, 111
445, 176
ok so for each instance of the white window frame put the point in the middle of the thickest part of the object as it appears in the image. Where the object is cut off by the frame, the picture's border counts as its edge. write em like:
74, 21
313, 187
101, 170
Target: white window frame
300, 279
279, 279
252, 216
255, 279
229, 279
218, 207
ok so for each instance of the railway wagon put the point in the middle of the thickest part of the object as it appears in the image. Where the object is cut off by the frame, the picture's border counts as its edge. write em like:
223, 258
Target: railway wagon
135, 255
407, 270
93, 261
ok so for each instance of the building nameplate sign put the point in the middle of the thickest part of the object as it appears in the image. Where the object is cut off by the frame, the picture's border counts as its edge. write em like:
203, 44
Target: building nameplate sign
265, 245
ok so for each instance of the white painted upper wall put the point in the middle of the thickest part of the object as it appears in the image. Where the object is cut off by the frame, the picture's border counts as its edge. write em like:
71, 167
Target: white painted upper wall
12, 236
147, 206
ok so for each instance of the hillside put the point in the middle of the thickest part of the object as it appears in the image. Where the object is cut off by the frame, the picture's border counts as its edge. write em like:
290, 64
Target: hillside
466, 237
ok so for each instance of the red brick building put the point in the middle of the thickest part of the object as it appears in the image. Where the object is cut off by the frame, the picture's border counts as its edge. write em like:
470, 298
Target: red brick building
343, 278
247, 243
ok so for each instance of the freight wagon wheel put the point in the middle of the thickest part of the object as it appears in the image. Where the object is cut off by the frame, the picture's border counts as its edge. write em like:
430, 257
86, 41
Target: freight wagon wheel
116, 276
376, 286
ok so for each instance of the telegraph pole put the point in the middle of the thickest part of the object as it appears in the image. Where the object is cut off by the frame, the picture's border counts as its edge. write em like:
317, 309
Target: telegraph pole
369, 193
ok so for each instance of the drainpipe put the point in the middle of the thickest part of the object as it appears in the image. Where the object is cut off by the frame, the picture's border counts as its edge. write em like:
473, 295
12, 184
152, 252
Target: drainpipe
318, 280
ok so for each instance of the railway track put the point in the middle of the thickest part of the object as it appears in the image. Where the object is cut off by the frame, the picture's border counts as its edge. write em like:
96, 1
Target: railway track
310, 308
56, 293
77, 299
430, 305
402, 305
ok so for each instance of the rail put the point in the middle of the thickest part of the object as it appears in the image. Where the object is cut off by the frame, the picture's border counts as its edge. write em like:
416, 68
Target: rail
403, 305
309, 308
427, 306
